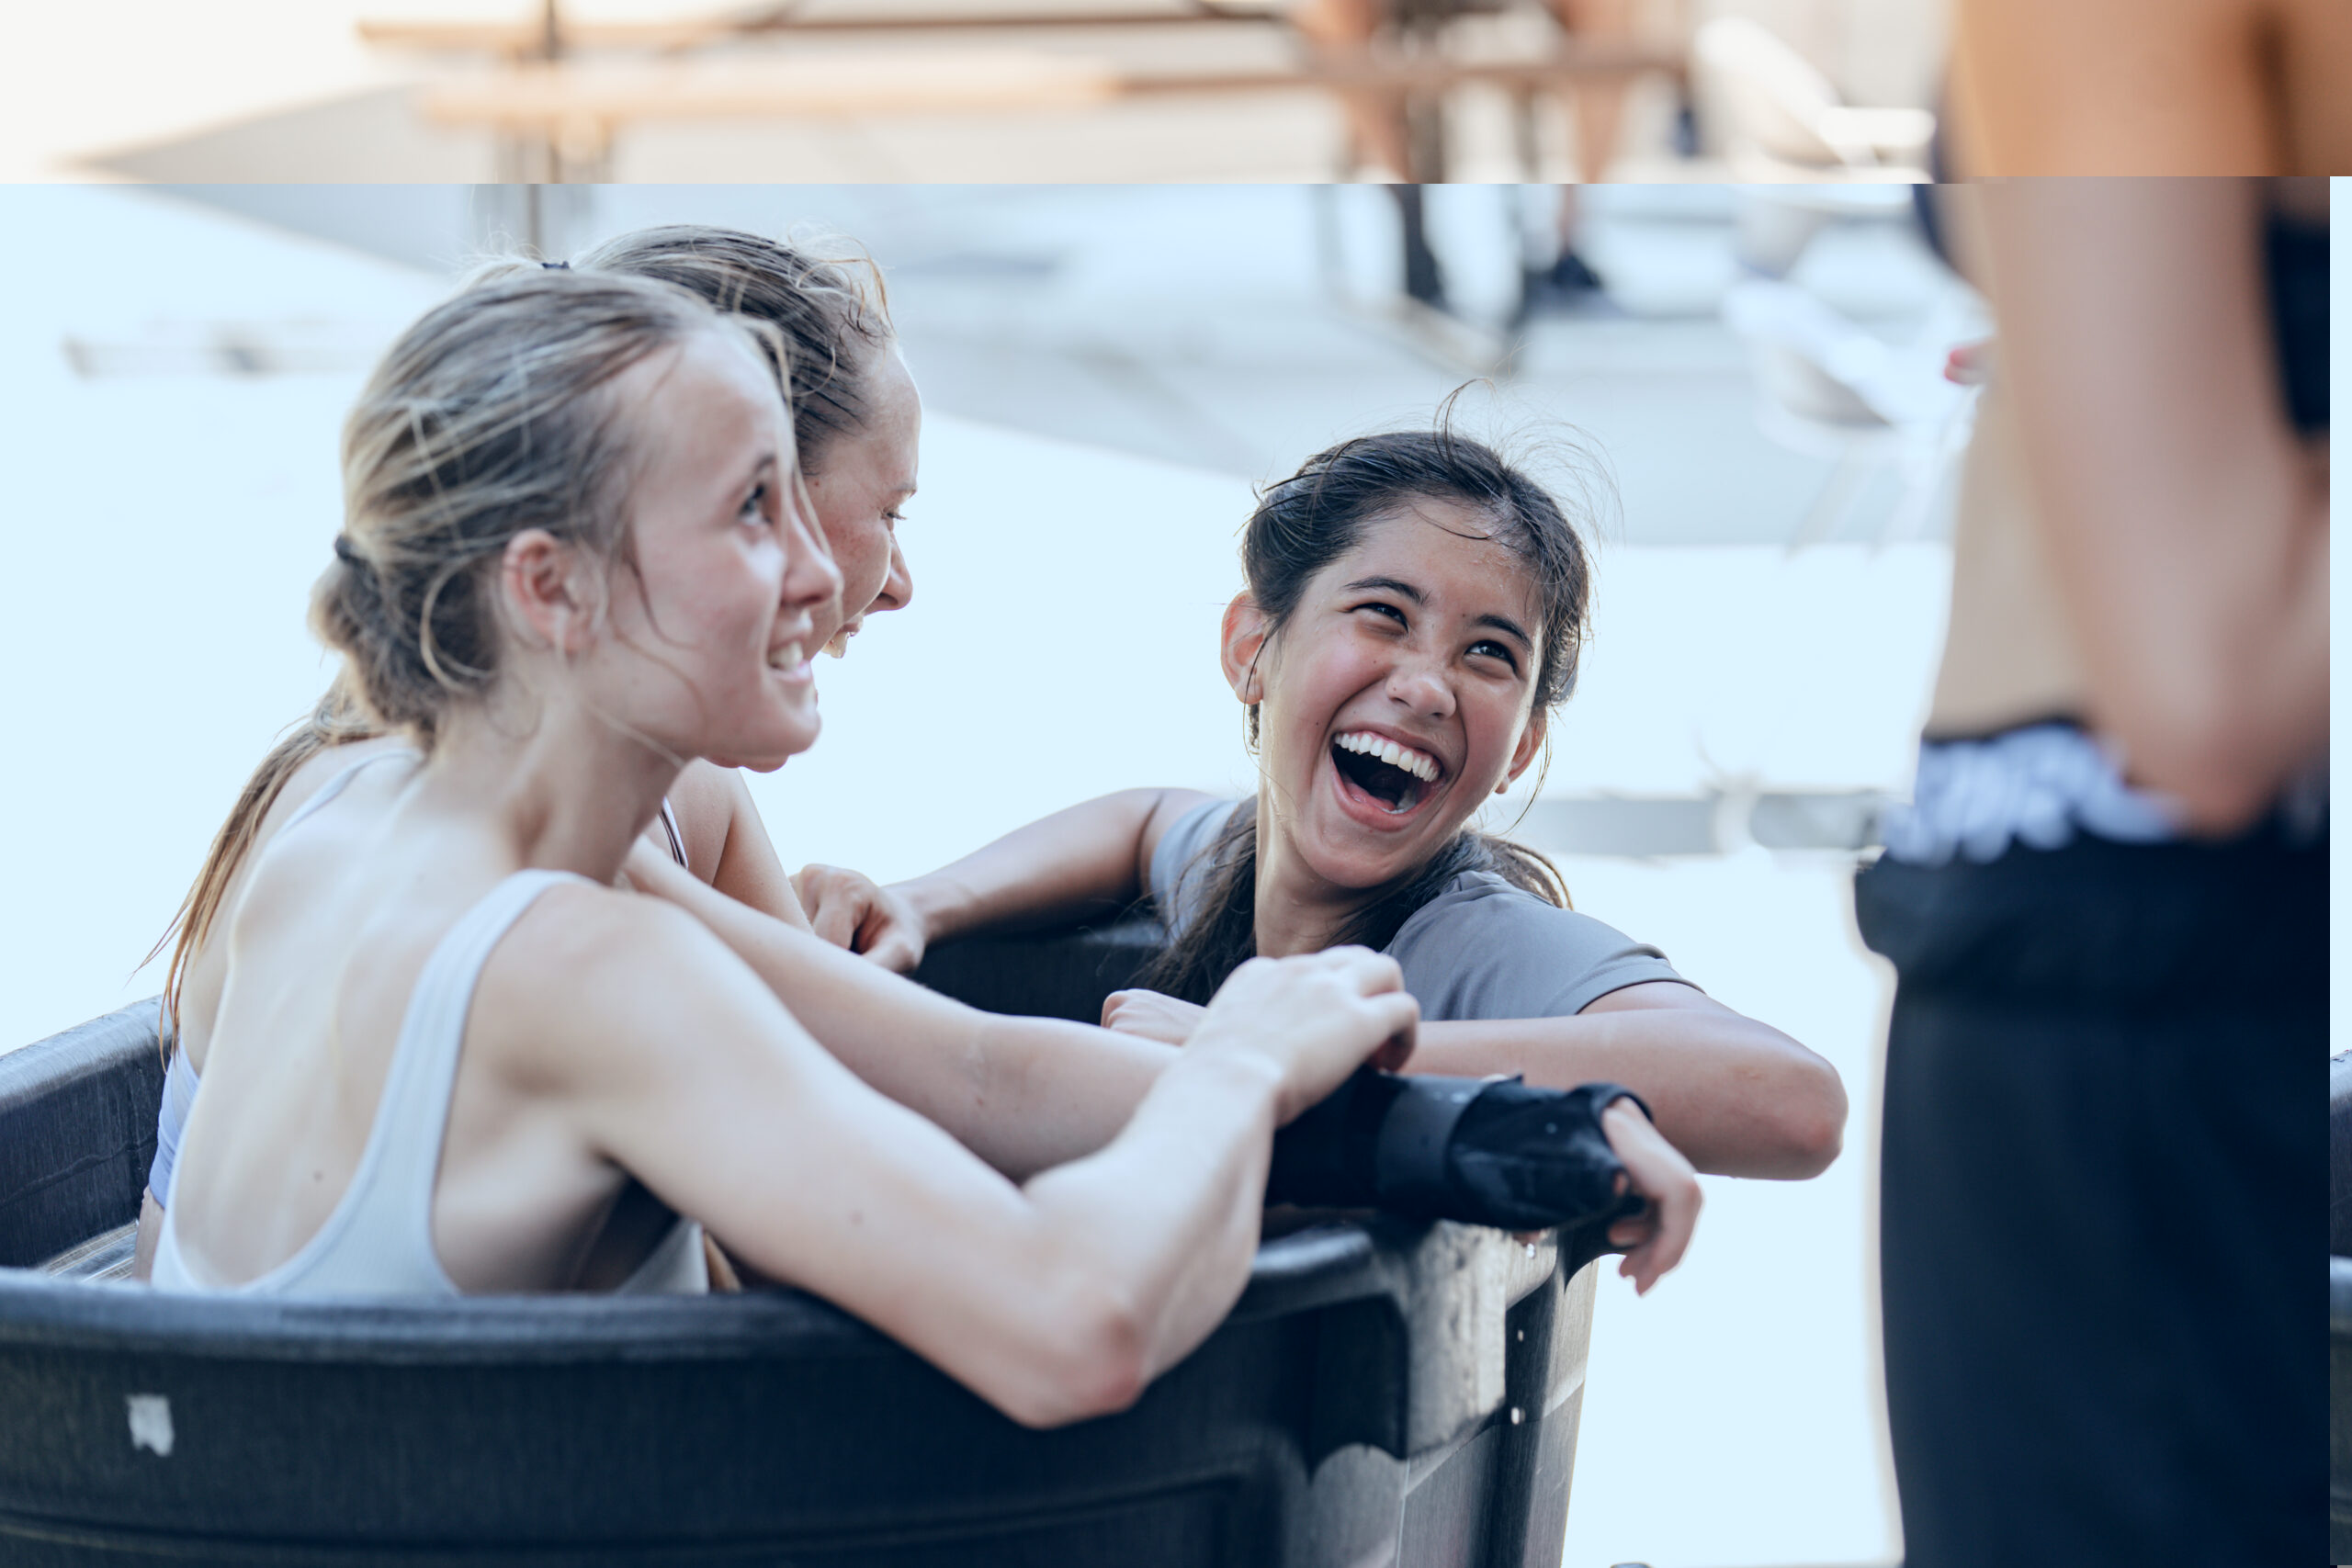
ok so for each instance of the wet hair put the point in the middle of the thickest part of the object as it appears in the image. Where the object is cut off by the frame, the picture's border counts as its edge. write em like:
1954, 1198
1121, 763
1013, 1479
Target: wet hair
488, 417
1303, 525
831, 308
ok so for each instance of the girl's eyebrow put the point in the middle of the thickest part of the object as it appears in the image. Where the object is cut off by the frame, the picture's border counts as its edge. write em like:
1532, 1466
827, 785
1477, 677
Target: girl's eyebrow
1406, 590
763, 465
1507, 626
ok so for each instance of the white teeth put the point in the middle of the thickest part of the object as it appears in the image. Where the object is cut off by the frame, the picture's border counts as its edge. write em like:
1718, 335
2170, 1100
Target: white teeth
1419, 764
785, 658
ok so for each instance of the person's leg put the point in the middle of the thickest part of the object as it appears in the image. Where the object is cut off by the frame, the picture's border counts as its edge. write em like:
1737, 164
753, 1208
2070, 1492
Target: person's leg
1375, 120
1571, 273
1599, 106
1423, 280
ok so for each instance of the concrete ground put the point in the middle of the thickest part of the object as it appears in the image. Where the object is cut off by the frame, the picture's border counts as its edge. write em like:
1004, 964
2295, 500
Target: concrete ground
1108, 372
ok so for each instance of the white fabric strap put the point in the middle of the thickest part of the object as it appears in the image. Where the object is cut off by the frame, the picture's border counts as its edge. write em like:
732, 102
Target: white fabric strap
334, 786
391, 1201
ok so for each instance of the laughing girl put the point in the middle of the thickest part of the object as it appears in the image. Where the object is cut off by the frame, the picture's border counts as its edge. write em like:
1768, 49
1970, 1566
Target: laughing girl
1415, 610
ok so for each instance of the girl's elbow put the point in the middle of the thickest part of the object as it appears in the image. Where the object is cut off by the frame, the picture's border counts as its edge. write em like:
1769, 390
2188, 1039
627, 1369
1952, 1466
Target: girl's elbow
1094, 1359
1810, 1126
1817, 1140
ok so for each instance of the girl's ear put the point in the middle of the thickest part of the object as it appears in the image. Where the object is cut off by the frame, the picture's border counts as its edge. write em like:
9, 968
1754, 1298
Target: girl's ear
1243, 640
1530, 741
542, 579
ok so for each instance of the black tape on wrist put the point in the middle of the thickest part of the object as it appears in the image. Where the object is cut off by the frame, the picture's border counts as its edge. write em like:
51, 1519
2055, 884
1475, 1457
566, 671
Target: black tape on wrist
1411, 1170
1400, 1143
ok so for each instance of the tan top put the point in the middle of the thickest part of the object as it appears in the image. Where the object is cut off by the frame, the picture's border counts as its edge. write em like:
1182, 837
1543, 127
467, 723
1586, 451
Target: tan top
2008, 659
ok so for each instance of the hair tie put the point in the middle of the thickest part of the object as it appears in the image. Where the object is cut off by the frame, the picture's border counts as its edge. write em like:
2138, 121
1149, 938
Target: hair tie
555, 266
344, 550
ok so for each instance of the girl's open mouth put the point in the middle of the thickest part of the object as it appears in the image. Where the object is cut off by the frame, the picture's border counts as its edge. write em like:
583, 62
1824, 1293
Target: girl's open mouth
1378, 772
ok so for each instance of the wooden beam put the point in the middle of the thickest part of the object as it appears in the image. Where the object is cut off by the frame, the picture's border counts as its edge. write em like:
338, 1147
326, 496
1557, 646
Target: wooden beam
524, 38
566, 99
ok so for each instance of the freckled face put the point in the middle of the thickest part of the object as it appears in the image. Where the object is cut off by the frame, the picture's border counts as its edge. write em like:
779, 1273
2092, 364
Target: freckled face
861, 482
712, 658
1399, 695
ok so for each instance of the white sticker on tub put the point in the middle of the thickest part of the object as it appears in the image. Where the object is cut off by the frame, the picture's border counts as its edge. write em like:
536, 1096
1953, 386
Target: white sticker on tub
150, 1422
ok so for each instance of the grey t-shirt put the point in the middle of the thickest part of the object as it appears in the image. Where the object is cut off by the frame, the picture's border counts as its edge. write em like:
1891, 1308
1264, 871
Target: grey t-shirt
1480, 948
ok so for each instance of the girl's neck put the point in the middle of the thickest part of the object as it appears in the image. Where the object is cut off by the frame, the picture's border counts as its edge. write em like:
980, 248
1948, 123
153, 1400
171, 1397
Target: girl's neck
1296, 912
559, 789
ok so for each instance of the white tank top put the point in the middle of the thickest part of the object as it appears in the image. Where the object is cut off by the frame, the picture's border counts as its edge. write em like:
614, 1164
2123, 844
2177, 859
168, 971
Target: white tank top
377, 1241
180, 1078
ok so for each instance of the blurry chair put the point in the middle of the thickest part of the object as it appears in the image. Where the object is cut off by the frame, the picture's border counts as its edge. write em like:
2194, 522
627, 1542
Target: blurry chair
1827, 388
1782, 120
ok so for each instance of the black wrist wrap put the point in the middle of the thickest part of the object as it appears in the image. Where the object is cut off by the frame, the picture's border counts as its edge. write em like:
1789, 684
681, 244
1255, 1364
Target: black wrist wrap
1492, 1153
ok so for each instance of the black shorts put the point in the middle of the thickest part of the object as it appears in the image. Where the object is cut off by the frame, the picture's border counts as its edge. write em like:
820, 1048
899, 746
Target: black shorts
2103, 1189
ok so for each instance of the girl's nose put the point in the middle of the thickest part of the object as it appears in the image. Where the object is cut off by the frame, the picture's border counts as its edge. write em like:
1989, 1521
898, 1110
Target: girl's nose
1421, 686
898, 587
810, 575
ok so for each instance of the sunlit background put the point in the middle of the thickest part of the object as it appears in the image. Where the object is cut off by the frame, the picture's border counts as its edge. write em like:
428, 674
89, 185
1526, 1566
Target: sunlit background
1752, 411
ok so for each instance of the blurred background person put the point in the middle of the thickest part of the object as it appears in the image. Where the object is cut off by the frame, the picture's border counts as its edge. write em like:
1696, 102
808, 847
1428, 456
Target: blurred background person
2102, 1168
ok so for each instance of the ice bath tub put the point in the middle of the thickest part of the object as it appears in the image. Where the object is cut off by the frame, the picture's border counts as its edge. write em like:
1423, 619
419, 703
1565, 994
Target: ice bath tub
1384, 1393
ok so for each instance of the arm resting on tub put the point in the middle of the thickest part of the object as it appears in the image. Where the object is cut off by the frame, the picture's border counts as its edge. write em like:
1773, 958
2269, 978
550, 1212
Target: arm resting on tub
1053, 1300
1091, 859
1023, 1093
1736, 1096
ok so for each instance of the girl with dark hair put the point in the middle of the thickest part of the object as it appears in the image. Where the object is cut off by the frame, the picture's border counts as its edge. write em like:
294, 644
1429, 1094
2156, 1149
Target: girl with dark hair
1415, 610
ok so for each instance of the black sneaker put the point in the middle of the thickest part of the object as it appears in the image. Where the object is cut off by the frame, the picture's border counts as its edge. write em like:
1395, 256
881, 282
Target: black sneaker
1572, 275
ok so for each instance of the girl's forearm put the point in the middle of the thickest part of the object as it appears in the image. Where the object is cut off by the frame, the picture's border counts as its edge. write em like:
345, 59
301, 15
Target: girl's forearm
1046, 1091
1023, 1093
1076, 861
1173, 1207
1738, 1097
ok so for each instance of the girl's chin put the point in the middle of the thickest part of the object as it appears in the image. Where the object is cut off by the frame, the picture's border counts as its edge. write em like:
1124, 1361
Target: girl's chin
1345, 854
773, 752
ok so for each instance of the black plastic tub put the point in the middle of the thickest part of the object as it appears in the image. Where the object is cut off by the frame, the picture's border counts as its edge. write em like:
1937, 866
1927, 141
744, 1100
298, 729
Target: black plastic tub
1384, 1393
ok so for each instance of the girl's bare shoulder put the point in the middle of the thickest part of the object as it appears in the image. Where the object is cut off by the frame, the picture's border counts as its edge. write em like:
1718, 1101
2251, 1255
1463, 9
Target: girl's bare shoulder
705, 800
316, 773
590, 977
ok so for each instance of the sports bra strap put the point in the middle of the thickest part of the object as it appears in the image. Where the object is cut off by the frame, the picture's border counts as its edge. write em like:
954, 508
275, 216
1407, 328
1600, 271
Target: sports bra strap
334, 786
670, 830
395, 1198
